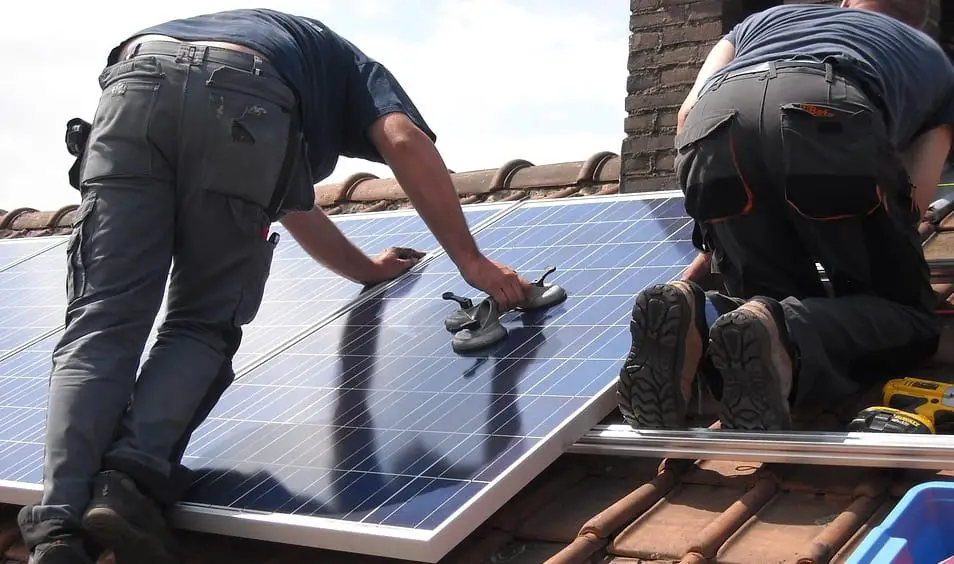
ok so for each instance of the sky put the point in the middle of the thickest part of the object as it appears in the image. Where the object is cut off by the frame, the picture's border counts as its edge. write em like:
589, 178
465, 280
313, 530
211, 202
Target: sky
542, 80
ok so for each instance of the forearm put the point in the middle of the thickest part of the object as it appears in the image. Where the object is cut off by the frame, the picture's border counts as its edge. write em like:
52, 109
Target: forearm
325, 243
924, 161
423, 176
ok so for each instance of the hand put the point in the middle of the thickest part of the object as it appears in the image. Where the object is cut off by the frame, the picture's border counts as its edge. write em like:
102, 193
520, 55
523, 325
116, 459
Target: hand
499, 281
393, 262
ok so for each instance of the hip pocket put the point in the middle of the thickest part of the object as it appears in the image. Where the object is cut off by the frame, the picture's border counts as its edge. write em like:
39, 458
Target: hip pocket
831, 158
245, 121
707, 168
257, 271
118, 143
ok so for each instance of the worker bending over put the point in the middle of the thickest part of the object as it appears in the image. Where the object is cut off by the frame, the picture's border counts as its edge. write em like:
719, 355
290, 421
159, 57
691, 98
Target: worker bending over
812, 133
208, 129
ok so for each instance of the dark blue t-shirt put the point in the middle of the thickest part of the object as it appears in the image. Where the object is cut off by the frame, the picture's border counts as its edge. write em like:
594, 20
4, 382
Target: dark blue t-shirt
341, 90
901, 65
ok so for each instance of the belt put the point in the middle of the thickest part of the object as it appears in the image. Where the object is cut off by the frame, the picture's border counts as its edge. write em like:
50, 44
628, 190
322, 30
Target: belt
829, 70
233, 56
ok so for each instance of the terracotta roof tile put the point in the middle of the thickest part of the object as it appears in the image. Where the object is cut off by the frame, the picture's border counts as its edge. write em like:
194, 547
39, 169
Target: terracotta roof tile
602, 509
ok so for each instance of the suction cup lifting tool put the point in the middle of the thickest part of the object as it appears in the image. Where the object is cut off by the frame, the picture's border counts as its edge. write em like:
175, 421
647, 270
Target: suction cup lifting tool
543, 295
481, 330
464, 315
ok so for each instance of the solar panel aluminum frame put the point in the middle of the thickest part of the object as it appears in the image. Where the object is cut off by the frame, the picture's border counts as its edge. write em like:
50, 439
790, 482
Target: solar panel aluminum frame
871, 450
405, 543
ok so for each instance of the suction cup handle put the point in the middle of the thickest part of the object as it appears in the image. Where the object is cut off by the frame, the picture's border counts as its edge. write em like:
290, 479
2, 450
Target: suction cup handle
549, 270
465, 303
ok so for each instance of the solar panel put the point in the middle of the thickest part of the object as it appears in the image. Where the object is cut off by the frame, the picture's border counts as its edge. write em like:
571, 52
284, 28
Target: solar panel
13, 251
370, 435
300, 292
32, 299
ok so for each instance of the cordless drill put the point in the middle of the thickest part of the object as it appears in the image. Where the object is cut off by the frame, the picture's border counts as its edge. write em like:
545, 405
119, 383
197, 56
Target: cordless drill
910, 405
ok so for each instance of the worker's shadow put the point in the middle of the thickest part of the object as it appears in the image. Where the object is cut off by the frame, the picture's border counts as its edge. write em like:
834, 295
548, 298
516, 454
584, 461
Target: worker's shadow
362, 480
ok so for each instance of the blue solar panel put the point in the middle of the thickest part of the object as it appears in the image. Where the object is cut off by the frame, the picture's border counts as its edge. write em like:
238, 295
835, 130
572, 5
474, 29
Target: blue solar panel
32, 298
300, 292
372, 419
13, 251
370, 427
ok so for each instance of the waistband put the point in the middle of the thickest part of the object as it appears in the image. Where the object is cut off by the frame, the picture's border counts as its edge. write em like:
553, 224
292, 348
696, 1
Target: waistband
196, 54
830, 71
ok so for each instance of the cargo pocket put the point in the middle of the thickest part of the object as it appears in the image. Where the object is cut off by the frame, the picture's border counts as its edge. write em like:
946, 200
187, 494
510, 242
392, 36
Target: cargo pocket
707, 168
831, 159
245, 122
257, 271
76, 259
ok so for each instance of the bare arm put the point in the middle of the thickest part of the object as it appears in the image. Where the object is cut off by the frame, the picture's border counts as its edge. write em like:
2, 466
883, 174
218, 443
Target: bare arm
322, 239
721, 54
421, 172
924, 161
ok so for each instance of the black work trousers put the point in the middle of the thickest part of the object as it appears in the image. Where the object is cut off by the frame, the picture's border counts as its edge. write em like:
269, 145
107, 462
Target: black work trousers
785, 165
186, 154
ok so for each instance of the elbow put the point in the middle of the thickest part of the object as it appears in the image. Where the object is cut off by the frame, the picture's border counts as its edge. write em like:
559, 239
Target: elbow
396, 136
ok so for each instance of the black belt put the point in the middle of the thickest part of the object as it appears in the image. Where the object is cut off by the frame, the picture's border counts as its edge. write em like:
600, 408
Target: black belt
255, 64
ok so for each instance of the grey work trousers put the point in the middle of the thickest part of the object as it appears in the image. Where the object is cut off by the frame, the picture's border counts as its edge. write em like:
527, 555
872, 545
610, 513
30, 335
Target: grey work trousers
788, 164
186, 153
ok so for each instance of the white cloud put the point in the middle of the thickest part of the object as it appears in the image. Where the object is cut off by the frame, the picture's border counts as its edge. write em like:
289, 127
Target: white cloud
496, 79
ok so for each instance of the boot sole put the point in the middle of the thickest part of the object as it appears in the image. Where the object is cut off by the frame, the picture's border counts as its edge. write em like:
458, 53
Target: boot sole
747, 355
128, 543
665, 333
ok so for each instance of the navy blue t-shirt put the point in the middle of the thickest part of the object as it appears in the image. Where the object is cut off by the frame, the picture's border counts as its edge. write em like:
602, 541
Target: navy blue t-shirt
901, 65
341, 90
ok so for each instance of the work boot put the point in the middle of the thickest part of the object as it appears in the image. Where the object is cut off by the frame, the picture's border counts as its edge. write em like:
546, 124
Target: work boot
65, 550
122, 519
751, 348
669, 334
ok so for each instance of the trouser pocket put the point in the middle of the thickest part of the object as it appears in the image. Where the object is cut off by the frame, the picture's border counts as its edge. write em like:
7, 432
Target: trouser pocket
832, 159
76, 259
707, 168
257, 271
245, 121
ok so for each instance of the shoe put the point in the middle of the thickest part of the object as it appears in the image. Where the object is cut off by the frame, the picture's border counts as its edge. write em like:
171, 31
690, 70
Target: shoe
122, 519
669, 333
752, 350
66, 550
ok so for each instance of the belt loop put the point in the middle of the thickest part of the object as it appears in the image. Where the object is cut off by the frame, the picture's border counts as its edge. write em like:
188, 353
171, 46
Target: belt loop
829, 73
182, 54
257, 65
772, 71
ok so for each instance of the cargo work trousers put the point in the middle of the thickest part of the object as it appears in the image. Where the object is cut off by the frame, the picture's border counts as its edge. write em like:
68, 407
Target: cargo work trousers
785, 165
185, 157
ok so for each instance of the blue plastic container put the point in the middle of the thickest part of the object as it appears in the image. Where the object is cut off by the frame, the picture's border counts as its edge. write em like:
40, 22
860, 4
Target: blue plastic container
919, 530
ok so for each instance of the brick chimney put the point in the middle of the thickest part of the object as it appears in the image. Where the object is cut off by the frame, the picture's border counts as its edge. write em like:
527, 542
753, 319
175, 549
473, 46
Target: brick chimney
669, 39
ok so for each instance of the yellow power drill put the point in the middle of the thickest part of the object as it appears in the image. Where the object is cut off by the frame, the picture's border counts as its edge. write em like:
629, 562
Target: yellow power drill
910, 405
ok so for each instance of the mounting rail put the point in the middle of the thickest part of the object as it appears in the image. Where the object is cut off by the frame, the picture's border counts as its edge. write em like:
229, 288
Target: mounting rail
875, 450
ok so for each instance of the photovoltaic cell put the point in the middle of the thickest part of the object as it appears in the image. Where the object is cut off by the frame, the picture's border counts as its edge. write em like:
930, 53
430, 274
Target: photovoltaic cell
373, 419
